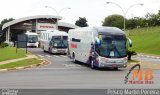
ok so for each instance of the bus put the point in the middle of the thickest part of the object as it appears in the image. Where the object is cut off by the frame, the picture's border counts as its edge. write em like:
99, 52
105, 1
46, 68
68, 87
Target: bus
54, 41
32, 39
99, 46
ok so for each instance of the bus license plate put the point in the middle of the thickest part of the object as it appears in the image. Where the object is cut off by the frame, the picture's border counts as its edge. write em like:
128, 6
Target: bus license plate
60, 50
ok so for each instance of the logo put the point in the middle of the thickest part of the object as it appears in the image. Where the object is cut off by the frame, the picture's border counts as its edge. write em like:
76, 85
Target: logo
138, 76
73, 45
46, 27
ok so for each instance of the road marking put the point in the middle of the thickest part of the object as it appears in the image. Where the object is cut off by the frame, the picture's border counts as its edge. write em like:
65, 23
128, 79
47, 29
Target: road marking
40, 56
52, 68
157, 57
59, 56
146, 56
48, 56
152, 57
55, 56
59, 68
69, 65
52, 55
63, 55
142, 56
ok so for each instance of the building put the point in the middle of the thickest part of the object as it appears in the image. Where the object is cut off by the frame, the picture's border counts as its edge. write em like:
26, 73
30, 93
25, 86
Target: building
34, 24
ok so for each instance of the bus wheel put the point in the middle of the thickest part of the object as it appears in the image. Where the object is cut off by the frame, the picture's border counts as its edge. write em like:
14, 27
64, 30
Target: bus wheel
73, 58
115, 68
92, 64
49, 50
43, 49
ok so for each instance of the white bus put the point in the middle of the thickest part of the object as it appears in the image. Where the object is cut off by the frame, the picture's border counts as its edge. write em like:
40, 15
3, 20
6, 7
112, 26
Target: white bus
99, 46
32, 40
54, 41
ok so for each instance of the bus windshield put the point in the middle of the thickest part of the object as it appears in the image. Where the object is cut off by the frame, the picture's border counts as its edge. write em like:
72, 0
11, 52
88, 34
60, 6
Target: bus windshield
32, 38
59, 41
112, 46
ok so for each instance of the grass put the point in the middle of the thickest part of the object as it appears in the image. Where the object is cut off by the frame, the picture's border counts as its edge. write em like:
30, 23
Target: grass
146, 40
132, 61
25, 62
8, 53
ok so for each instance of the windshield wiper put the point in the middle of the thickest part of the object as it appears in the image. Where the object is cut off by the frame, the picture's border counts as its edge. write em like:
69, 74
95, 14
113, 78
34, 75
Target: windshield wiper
118, 51
62, 43
113, 49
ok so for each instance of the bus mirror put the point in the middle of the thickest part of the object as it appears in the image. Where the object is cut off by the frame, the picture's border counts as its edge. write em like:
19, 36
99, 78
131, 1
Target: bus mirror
98, 41
130, 42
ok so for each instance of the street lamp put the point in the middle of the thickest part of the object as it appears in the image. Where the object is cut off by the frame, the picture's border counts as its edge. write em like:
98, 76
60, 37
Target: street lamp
57, 12
124, 13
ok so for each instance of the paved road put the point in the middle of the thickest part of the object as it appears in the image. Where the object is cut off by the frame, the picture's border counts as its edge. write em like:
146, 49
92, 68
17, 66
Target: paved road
62, 73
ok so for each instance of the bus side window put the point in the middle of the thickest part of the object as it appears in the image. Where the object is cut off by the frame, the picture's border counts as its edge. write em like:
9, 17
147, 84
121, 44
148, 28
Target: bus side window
44, 36
76, 40
48, 37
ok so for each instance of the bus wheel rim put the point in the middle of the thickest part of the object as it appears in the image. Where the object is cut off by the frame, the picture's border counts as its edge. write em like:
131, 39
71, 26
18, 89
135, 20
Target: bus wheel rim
92, 65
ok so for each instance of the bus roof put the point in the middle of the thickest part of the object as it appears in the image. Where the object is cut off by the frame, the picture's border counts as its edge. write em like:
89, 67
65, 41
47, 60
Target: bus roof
55, 33
104, 29
110, 30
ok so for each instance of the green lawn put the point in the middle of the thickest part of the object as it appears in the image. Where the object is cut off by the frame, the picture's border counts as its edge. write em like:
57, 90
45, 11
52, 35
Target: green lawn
8, 53
25, 62
133, 61
146, 40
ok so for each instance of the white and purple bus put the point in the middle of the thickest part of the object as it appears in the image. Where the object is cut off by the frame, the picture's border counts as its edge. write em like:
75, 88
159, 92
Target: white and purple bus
99, 46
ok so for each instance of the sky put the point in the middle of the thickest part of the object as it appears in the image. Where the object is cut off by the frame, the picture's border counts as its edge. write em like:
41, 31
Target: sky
93, 10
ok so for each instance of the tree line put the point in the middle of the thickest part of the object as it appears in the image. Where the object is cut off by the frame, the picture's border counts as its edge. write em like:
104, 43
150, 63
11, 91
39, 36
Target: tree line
112, 20
2, 33
117, 21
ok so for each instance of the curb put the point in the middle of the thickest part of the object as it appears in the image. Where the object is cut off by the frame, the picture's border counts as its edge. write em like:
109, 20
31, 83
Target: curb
155, 57
147, 65
44, 62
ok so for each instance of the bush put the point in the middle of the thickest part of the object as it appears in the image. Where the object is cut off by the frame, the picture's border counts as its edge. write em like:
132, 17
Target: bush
3, 45
131, 53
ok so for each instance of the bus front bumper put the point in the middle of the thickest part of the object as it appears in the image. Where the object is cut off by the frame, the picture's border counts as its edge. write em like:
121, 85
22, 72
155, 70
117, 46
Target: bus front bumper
113, 65
32, 44
59, 50
119, 63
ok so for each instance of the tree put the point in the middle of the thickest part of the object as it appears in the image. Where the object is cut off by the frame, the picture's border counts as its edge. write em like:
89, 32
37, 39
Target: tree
153, 19
2, 33
5, 21
82, 22
147, 21
131, 23
136, 22
114, 21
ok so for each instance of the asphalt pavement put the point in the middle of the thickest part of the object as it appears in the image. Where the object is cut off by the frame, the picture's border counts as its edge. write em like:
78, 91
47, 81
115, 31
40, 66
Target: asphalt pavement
62, 73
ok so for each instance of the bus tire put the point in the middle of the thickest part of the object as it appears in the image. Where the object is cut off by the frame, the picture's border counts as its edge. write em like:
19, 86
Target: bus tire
73, 58
49, 50
115, 68
44, 49
92, 64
